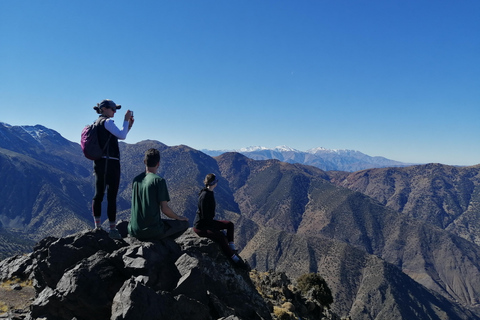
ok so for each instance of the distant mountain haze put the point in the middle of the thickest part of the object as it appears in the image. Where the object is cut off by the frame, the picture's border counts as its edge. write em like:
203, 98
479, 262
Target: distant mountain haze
392, 243
325, 159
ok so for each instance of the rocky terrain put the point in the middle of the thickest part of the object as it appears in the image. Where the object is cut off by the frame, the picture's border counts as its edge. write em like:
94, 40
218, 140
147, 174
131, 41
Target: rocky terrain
89, 275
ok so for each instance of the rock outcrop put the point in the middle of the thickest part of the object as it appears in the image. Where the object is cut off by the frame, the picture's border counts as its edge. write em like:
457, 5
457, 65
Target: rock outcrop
91, 276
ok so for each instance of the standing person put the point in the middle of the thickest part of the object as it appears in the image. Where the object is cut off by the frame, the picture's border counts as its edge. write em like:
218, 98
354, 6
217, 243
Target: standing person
206, 226
107, 168
149, 198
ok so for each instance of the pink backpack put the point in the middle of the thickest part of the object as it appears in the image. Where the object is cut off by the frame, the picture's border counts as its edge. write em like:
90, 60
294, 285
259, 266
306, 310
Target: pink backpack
90, 143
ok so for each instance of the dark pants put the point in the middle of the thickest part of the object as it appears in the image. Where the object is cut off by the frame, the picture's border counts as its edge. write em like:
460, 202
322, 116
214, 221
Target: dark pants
107, 176
173, 229
218, 236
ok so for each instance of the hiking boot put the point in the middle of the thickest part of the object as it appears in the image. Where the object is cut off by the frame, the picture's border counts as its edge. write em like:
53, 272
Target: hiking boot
114, 234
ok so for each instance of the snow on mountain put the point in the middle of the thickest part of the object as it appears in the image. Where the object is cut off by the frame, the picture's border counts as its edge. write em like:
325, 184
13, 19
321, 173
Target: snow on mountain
286, 149
325, 159
320, 149
38, 132
38, 136
250, 149
282, 148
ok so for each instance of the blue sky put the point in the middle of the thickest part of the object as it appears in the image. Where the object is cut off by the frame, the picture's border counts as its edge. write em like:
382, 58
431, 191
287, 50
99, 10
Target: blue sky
398, 79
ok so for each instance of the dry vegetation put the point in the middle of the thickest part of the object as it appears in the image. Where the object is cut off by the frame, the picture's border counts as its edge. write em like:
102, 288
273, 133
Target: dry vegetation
15, 295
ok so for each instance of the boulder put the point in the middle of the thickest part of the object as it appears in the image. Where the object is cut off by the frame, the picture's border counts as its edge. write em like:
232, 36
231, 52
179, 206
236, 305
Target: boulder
136, 301
91, 276
19, 267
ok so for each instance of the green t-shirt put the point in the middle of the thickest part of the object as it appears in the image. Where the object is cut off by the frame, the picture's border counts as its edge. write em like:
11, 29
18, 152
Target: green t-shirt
148, 191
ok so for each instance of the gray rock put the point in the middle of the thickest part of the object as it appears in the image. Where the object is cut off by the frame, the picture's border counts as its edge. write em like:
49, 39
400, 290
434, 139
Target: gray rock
19, 266
54, 256
88, 275
135, 300
16, 287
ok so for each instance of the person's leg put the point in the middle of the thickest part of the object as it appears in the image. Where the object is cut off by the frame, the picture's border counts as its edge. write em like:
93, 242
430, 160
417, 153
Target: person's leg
113, 182
219, 237
229, 226
99, 170
174, 228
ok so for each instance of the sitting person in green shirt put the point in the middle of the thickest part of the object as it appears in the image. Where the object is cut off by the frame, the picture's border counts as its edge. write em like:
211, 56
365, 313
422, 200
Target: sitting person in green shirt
149, 198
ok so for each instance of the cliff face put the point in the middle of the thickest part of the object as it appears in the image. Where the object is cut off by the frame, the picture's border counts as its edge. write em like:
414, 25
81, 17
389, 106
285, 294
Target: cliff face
89, 275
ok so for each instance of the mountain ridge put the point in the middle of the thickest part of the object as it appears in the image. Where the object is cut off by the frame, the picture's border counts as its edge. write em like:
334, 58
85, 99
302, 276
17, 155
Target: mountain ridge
445, 196
300, 201
360, 273
325, 159
265, 196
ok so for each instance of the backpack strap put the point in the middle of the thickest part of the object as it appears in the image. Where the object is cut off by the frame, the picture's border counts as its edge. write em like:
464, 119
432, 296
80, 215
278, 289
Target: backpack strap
101, 121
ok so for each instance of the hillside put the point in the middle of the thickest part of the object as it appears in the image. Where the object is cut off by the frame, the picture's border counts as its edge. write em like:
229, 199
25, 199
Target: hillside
36, 193
370, 287
12, 243
444, 196
300, 203
296, 199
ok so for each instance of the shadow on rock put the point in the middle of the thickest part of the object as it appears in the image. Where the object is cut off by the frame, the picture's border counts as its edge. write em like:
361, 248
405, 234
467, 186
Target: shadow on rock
88, 275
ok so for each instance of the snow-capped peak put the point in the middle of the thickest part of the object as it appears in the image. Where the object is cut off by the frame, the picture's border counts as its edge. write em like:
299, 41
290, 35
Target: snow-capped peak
251, 149
313, 150
320, 149
285, 148
282, 148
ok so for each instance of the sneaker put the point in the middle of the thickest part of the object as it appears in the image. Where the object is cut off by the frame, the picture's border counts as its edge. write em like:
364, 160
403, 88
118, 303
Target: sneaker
114, 234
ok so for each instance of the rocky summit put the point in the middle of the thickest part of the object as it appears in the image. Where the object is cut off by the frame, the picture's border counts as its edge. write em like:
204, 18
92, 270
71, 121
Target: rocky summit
88, 275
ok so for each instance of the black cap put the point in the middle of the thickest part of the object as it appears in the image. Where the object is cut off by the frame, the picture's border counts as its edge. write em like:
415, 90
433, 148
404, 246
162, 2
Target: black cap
107, 103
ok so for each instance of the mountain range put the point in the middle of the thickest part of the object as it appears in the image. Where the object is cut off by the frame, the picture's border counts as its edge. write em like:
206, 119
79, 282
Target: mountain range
392, 243
325, 159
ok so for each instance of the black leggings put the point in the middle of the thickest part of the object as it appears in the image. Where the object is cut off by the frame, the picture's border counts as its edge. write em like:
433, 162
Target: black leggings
109, 179
218, 236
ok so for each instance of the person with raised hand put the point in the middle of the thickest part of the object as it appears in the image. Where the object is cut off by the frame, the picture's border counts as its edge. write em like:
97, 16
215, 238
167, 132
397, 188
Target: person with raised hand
107, 168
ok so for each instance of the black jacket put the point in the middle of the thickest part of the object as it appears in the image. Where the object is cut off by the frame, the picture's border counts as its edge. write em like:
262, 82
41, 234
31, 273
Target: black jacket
205, 210
103, 134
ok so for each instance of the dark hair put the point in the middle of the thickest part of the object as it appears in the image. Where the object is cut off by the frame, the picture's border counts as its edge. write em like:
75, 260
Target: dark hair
152, 157
98, 109
210, 180
107, 104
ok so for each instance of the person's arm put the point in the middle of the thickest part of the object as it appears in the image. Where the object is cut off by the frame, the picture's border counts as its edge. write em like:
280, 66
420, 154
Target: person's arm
113, 129
169, 212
